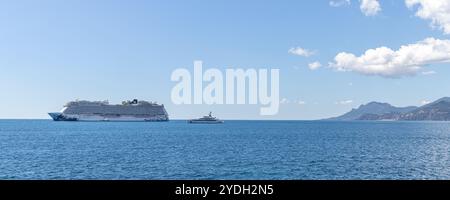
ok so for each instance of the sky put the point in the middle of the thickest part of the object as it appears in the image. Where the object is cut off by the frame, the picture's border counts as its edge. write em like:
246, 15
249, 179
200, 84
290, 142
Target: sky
333, 55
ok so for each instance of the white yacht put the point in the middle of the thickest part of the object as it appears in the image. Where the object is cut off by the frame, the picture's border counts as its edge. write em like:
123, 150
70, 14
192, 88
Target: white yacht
209, 119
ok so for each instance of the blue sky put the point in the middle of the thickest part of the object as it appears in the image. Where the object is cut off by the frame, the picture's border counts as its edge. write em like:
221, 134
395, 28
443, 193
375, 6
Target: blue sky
52, 52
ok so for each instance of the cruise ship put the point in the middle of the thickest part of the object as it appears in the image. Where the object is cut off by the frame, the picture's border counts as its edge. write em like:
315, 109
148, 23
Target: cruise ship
103, 111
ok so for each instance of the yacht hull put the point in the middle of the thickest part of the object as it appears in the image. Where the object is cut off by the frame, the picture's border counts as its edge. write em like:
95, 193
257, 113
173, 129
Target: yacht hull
205, 122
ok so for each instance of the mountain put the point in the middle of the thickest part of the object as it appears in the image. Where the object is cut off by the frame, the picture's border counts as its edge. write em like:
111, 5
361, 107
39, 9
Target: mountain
387, 116
372, 110
438, 110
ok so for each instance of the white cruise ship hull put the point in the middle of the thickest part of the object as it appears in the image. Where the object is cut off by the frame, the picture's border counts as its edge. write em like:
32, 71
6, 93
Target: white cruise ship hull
98, 118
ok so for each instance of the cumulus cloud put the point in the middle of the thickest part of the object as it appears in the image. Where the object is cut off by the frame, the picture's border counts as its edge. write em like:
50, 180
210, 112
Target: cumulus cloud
370, 7
284, 101
300, 102
385, 62
301, 52
339, 3
438, 11
426, 73
425, 102
314, 65
346, 102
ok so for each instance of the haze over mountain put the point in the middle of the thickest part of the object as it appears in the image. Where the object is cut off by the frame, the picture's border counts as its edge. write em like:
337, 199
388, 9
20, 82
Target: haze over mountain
438, 110
374, 108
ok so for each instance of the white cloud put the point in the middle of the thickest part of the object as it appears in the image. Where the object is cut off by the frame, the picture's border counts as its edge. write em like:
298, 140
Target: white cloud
339, 3
428, 73
346, 102
314, 65
284, 101
385, 62
301, 102
438, 11
425, 102
370, 7
301, 52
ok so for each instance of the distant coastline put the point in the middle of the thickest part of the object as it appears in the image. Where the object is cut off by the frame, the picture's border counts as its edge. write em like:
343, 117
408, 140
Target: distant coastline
438, 110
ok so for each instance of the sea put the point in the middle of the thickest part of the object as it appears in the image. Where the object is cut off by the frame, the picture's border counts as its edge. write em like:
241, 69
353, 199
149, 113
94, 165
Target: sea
255, 150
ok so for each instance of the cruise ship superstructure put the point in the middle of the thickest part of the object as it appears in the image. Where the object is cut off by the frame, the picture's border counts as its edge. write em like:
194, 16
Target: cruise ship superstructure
103, 111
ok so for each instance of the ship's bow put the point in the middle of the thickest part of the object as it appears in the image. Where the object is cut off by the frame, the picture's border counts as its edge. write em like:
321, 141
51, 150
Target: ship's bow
56, 116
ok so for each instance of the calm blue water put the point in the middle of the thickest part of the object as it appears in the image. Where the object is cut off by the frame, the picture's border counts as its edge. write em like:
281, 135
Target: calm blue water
43, 149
